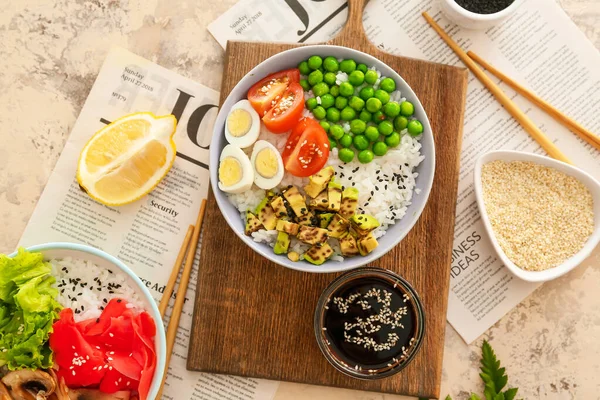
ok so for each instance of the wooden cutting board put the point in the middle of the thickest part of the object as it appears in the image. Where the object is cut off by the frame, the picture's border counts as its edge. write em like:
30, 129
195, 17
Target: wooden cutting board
255, 318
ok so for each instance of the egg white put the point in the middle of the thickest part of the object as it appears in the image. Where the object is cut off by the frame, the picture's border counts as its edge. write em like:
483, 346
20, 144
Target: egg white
261, 181
249, 138
247, 171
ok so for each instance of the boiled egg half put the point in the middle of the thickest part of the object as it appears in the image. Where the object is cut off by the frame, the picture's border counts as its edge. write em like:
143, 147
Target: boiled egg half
267, 164
235, 171
243, 125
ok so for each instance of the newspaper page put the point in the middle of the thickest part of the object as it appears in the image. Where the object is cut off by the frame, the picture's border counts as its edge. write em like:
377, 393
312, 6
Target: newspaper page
148, 233
538, 46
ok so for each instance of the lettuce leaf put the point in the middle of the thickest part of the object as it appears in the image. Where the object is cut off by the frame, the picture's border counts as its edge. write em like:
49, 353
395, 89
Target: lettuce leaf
28, 308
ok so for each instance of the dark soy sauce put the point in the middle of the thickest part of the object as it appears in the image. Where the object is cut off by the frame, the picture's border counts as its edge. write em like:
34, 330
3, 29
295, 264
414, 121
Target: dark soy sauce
356, 354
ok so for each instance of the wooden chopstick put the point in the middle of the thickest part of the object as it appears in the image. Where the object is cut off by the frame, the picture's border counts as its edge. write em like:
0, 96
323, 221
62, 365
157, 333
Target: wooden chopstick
179, 300
568, 122
164, 302
508, 104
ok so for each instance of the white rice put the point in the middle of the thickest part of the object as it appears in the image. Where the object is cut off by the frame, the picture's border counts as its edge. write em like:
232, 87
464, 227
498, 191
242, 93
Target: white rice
86, 288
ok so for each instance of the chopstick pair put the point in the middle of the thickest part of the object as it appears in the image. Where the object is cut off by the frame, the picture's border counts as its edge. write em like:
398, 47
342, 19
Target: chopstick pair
470, 59
187, 251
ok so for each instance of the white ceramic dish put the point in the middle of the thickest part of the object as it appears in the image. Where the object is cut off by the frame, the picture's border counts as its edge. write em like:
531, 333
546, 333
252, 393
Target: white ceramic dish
105, 260
592, 184
471, 20
290, 59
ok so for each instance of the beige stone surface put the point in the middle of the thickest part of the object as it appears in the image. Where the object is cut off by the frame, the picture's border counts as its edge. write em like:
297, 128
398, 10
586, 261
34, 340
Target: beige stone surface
50, 53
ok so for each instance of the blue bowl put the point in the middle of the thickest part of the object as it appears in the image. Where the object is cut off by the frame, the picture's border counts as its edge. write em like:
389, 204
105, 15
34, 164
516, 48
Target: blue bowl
105, 260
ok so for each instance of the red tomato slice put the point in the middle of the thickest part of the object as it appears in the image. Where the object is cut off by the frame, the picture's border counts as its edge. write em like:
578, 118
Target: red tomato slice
263, 94
307, 149
288, 110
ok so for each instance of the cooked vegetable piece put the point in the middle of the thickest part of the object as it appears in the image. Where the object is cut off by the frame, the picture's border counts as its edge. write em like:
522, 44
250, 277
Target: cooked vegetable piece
312, 235
320, 202
306, 219
253, 224
348, 246
288, 227
338, 227
349, 202
325, 219
317, 255
334, 191
282, 243
293, 256
367, 244
266, 215
278, 206
363, 223
318, 182
296, 200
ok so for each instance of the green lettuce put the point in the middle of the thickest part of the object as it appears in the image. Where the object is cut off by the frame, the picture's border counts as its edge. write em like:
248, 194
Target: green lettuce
28, 308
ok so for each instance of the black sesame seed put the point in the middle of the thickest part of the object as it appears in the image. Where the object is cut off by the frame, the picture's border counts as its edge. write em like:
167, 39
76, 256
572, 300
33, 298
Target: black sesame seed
104, 300
97, 320
119, 300
109, 271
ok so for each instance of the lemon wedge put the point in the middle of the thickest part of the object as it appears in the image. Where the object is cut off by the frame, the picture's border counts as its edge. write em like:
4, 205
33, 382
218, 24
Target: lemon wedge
126, 159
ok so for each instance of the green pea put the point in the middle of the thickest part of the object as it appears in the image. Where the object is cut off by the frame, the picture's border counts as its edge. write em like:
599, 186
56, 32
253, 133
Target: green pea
356, 78
348, 114
341, 102
346, 140
382, 95
336, 131
391, 109
346, 155
346, 89
315, 62
320, 89
362, 68
335, 91
305, 85
400, 122
333, 114
332, 143
347, 66
360, 142
331, 64
329, 78
357, 126
357, 103
325, 125
366, 93
365, 156
378, 116
319, 112
388, 85
327, 100
371, 133
385, 127
371, 76
303, 67
415, 127
380, 148
315, 77
393, 140
365, 115
407, 108
311, 103
373, 104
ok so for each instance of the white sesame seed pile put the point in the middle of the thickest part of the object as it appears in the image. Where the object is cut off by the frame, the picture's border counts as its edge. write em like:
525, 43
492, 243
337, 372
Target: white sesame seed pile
540, 216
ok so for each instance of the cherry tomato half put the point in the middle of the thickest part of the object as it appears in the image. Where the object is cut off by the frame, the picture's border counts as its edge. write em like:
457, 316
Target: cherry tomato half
288, 110
307, 149
263, 95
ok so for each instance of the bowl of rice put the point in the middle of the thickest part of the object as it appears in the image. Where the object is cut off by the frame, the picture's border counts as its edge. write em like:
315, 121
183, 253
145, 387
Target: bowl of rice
393, 188
88, 278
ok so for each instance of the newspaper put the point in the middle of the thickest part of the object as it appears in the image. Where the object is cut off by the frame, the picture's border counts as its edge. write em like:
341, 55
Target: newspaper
538, 46
147, 234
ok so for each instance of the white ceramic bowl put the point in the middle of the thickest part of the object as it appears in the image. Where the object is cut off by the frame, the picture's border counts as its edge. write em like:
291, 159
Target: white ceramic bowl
471, 20
290, 59
592, 184
105, 260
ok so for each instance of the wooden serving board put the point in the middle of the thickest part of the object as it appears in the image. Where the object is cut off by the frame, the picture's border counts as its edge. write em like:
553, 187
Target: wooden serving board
255, 318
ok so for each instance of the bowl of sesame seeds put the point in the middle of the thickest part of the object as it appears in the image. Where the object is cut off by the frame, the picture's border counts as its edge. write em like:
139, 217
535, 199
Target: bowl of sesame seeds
542, 215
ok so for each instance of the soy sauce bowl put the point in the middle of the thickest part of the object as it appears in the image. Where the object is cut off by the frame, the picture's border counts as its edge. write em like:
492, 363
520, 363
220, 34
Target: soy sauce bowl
351, 355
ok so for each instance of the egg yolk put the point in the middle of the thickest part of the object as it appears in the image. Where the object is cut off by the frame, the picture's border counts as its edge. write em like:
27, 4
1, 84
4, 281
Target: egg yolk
239, 122
230, 171
266, 163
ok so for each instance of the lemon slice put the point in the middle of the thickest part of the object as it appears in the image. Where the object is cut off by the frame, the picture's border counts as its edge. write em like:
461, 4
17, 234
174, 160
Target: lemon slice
127, 159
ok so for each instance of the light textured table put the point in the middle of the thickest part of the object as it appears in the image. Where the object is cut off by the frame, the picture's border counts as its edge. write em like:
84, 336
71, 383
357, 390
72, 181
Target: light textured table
50, 53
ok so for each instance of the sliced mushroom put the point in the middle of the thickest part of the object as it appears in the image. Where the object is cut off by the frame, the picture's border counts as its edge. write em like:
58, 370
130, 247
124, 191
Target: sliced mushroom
95, 394
26, 384
4, 393
62, 391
